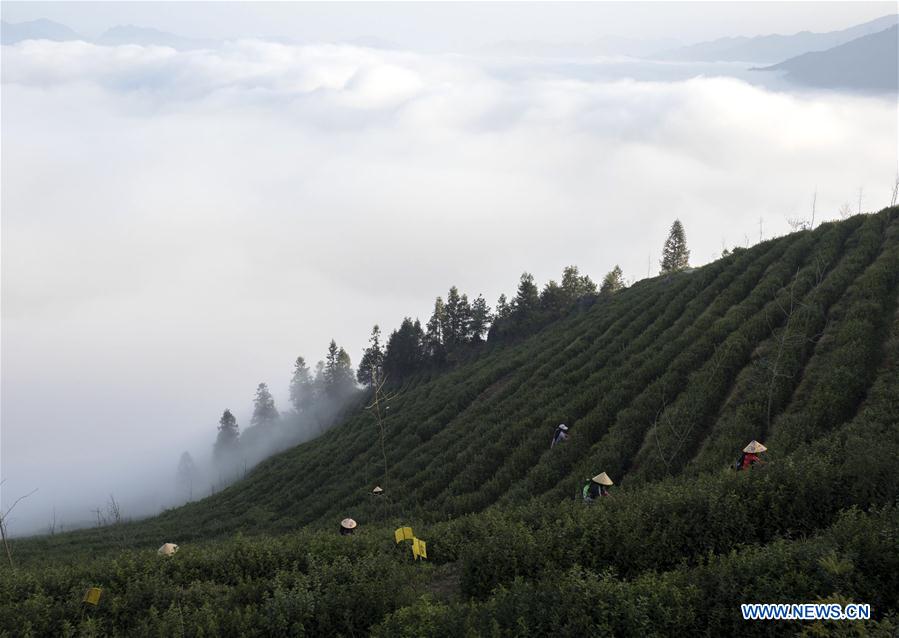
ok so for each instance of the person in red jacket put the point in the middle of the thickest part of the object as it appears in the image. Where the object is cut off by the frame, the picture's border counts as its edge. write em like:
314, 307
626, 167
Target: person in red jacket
750, 455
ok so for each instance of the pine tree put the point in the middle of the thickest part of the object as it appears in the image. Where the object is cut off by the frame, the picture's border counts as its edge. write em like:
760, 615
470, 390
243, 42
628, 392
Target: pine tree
553, 299
405, 352
318, 380
330, 370
228, 436
527, 300
480, 319
463, 320
186, 475
675, 255
371, 365
503, 309
612, 282
576, 286
264, 411
434, 338
346, 378
338, 376
452, 319
302, 387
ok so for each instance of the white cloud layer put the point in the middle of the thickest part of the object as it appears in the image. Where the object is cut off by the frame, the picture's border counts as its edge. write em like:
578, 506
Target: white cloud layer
178, 226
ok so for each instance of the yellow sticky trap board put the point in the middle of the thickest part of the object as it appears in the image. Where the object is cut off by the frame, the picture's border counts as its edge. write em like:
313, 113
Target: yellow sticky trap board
419, 548
92, 596
403, 534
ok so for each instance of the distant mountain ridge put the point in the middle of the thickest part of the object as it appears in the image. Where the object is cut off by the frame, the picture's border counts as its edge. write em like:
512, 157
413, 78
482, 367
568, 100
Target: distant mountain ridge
866, 63
774, 48
13, 32
145, 36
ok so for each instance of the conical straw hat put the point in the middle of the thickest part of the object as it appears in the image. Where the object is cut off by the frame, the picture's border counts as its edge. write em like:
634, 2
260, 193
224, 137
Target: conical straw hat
167, 549
348, 523
602, 479
377, 490
754, 448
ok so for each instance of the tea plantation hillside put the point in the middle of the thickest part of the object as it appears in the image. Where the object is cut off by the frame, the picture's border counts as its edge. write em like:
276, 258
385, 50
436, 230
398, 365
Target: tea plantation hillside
794, 342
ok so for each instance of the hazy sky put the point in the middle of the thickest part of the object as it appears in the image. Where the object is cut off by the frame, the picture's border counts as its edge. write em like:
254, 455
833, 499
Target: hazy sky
456, 26
179, 226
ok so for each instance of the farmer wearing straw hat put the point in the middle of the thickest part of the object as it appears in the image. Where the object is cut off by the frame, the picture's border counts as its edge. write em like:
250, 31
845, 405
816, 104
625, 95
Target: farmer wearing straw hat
750, 456
347, 526
559, 435
597, 487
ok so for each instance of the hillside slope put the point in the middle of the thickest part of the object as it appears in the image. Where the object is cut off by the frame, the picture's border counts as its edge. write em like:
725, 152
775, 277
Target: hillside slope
666, 365
794, 342
672, 376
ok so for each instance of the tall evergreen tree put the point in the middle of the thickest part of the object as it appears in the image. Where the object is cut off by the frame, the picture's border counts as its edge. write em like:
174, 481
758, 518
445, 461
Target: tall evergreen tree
228, 436
503, 309
339, 378
464, 320
302, 387
527, 300
186, 475
612, 282
319, 380
452, 319
576, 285
345, 378
675, 255
264, 411
480, 319
553, 299
372, 362
434, 338
405, 350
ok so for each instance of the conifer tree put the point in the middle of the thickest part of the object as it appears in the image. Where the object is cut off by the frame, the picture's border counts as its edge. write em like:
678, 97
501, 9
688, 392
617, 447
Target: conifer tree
372, 362
338, 375
612, 282
463, 320
503, 309
302, 387
434, 338
528, 298
451, 324
575, 285
553, 299
186, 475
264, 411
675, 255
228, 436
346, 378
405, 350
480, 319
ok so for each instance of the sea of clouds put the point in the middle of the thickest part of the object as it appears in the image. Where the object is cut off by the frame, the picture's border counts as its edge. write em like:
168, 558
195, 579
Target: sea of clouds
180, 225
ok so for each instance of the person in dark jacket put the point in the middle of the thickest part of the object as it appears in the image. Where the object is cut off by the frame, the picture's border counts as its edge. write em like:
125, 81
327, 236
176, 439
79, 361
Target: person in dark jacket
559, 435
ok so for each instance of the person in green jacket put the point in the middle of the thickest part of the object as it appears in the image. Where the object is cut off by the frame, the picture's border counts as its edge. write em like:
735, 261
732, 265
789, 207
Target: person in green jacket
597, 487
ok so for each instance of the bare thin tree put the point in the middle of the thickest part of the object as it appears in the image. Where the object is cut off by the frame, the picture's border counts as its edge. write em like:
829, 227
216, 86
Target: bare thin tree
379, 400
4, 518
814, 207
